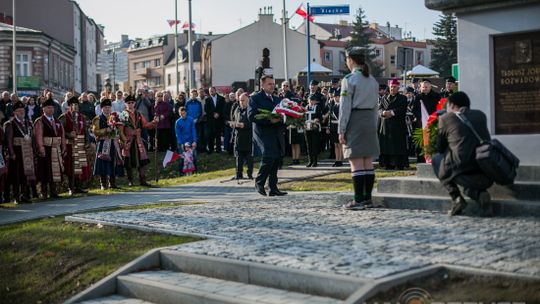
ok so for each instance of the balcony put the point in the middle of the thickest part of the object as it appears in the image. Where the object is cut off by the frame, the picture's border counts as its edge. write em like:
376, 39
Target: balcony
143, 72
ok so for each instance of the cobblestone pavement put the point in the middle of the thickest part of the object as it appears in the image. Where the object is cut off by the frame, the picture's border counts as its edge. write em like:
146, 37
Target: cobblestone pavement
312, 232
223, 188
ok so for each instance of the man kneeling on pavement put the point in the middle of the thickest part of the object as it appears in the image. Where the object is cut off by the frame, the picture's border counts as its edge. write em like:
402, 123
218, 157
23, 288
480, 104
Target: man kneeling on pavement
455, 164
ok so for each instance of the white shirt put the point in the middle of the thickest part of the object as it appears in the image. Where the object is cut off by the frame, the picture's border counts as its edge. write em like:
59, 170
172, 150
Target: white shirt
118, 106
214, 98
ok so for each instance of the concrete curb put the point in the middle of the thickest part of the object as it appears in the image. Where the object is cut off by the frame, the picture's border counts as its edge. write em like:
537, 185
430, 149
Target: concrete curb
77, 219
303, 281
107, 285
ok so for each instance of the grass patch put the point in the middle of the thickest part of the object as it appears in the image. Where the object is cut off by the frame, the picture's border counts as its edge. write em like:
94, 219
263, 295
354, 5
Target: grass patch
338, 181
49, 260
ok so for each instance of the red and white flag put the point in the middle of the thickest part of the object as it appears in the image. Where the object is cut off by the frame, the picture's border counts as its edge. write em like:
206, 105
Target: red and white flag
173, 22
170, 157
186, 25
302, 12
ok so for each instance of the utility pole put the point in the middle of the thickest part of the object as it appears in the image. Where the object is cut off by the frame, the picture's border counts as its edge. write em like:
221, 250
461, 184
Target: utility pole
285, 26
14, 63
176, 46
190, 56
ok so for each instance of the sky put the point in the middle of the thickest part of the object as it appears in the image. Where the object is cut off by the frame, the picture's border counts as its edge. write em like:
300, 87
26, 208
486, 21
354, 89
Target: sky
143, 18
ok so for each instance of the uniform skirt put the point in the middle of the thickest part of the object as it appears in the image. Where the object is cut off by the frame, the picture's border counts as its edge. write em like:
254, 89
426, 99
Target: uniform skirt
361, 135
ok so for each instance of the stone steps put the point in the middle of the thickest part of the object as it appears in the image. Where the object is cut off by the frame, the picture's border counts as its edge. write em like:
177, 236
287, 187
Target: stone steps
432, 186
170, 276
424, 191
169, 287
116, 299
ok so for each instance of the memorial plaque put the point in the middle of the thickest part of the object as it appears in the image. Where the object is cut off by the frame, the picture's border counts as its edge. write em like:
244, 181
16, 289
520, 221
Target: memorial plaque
517, 83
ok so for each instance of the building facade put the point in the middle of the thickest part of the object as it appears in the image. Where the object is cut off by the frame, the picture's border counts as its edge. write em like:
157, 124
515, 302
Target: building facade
74, 29
234, 57
41, 62
146, 62
112, 65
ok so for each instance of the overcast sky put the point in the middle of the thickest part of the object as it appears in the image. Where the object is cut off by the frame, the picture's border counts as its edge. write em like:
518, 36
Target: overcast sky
143, 18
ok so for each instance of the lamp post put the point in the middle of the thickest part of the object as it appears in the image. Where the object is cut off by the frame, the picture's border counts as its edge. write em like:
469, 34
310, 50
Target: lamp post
190, 42
14, 62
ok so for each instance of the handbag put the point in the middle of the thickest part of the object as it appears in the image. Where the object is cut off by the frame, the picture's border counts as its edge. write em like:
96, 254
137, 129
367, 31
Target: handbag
493, 158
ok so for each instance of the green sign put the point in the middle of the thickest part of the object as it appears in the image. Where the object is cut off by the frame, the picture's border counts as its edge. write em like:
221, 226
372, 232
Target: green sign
28, 82
455, 71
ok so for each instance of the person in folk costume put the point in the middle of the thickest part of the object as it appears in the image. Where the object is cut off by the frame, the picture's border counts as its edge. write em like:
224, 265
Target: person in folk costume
18, 136
107, 132
77, 140
392, 129
51, 145
333, 121
313, 129
134, 151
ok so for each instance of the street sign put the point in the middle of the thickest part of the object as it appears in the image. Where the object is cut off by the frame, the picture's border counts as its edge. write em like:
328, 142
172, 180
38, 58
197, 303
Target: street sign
455, 70
330, 10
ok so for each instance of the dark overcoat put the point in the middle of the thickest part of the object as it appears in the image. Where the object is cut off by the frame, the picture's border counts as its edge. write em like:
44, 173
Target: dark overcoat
393, 131
268, 139
457, 144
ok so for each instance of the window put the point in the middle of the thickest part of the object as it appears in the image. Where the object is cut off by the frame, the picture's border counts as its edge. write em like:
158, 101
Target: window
327, 56
393, 59
22, 64
377, 52
158, 81
169, 79
419, 57
146, 64
341, 57
157, 63
136, 66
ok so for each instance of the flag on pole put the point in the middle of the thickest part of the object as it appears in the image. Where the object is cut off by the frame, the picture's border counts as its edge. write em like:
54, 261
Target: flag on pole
170, 157
186, 25
302, 12
173, 22
425, 133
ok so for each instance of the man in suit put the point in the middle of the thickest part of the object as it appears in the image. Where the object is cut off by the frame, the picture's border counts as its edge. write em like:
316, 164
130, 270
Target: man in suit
268, 139
456, 162
213, 107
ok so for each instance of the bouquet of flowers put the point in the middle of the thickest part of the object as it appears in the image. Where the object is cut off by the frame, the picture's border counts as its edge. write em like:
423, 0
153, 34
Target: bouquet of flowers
426, 138
292, 113
113, 122
126, 121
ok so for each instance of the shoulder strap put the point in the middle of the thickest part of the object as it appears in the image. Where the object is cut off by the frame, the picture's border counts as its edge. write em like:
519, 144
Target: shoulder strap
464, 120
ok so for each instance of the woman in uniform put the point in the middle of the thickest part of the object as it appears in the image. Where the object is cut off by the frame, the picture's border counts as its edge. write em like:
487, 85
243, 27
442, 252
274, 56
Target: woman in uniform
357, 126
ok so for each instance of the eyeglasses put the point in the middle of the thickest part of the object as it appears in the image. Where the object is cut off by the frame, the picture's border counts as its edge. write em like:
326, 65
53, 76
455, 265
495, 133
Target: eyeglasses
159, 95
130, 101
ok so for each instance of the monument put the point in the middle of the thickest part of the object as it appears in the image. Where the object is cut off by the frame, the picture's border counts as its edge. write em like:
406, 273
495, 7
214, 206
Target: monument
499, 67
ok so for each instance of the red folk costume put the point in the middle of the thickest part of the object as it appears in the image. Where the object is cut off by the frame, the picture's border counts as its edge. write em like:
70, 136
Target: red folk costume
51, 144
134, 152
75, 161
18, 135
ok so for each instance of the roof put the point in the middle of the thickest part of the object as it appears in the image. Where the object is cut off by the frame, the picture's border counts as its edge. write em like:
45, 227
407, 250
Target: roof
421, 70
381, 40
9, 28
344, 30
413, 44
317, 68
333, 43
183, 53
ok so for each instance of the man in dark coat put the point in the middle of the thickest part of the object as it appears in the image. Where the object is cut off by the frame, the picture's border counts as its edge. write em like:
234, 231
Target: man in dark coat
243, 138
268, 139
392, 129
456, 162
430, 99
18, 136
449, 87
213, 107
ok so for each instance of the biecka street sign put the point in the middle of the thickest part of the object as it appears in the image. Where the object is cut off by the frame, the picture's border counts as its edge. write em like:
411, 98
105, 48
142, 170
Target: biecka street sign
330, 10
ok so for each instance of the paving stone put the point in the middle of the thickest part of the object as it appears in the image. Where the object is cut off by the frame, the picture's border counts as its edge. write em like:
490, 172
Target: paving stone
309, 231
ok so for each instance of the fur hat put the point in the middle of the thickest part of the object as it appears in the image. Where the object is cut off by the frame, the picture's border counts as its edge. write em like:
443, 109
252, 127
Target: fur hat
48, 102
18, 105
105, 102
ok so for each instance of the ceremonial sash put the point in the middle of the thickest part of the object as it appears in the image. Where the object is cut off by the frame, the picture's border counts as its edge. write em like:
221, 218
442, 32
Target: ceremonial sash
3, 168
27, 154
56, 156
79, 155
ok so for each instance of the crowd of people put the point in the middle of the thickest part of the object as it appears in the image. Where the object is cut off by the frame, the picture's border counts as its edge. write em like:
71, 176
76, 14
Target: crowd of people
45, 140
